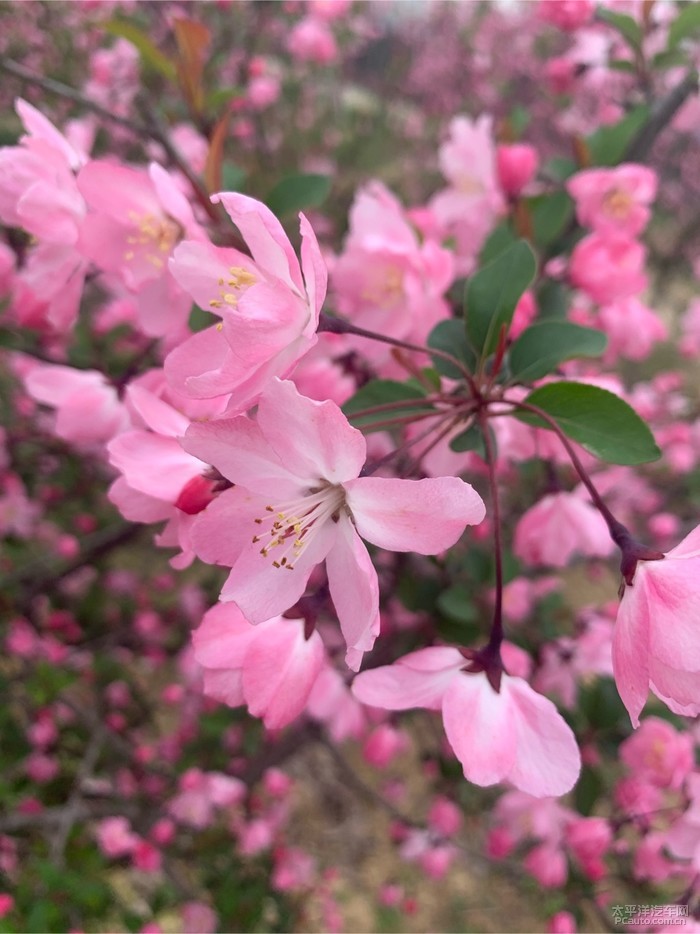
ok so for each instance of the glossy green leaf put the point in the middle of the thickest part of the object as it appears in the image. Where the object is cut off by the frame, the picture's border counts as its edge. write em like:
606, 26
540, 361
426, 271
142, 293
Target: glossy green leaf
685, 26
542, 347
298, 193
151, 56
469, 440
451, 337
629, 28
599, 420
493, 292
608, 144
551, 215
382, 392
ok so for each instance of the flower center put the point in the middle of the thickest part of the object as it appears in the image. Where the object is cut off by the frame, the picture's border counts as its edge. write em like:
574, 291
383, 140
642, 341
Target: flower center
291, 526
618, 203
154, 236
229, 289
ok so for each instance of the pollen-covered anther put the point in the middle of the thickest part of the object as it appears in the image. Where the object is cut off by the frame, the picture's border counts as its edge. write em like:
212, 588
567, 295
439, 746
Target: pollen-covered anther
293, 525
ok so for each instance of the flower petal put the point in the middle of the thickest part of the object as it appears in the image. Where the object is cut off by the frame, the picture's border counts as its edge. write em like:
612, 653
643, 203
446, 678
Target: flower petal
313, 439
480, 728
630, 649
355, 592
548, 761
424, 516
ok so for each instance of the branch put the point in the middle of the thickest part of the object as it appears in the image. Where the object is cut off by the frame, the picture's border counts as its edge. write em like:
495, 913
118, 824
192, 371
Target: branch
661, 115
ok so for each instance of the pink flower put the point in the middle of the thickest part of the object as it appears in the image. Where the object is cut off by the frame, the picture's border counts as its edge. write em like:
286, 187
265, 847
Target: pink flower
270, 667
559, 526
88, 409
136, 220
514, 735
656, 643
517, 166
298, 499
386, 279
566, 14
115, 837
633, 329
198, 918
563, 922
659, 754
608, 268
269, 312
589, 838
547, 864
614, 201
311, 40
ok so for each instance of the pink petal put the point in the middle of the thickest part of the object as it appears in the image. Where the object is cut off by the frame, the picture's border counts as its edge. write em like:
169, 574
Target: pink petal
630, 650
223, 637
260, 589
135, 506
157, 414
670, 587
313, 439
264, 236
479, 725
314, 269
424, 516
198, 267
355, 592
225, 685
118, 191
239, 450
400, 687
153, 464
225, 529
279, 671
203, 366
548, 761
688, 547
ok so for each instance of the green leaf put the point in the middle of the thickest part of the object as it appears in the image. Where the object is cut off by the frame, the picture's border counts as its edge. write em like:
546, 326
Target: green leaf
451, 337
542, 347
232, 176
493, 292
151, 56
457, 602
550, 216
469, 440
200, 319
380, 392
552, 299
670, 58
629, 28
588, 790
599, 420
622, 64
560, 168
608, 144
685, 26
499, 239
298, 193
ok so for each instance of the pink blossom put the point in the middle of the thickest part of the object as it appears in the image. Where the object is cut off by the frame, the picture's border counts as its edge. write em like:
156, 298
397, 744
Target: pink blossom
383, 744
294, 869
262, 91
298, 499
563, 922
88, 409
115, 837
559, 526
270, 667
517, 165
332, 704
269, 312
136, 219
311, 40
7, 904
659, 754
655, 644
444, 817
547, 864
386, 279
198, 918
514, 735
614, 201
589, 838
633, 329
683, 839
569, 15
146, 857
608, 268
